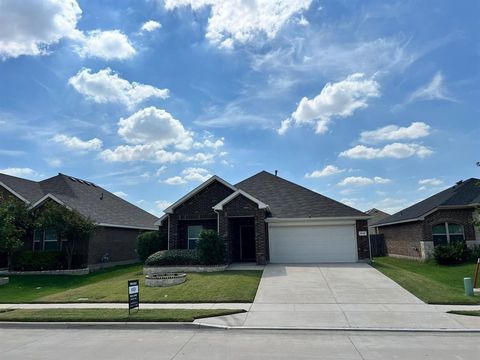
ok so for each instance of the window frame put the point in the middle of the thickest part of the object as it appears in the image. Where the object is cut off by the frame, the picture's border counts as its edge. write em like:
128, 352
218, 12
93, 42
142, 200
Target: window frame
39, 241
447, 231
193, 238
50, 241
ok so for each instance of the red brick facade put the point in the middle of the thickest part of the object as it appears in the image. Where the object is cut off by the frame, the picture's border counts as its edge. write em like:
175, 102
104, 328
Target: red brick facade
363, 245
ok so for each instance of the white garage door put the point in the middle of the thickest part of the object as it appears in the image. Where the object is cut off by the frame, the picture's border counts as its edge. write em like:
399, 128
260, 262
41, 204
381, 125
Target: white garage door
312, 244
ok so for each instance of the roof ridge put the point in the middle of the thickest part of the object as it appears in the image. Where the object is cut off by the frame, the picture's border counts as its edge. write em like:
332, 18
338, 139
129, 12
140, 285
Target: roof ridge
20, 178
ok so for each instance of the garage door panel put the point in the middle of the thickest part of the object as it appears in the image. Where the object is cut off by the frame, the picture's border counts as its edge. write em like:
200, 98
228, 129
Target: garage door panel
312, 244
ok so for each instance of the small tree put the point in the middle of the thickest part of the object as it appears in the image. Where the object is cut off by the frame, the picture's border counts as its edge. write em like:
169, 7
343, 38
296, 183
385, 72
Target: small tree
68, 224
150, 242
14, 223
211, 248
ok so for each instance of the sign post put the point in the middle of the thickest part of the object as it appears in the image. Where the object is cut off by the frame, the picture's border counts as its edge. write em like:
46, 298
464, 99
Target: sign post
133, 295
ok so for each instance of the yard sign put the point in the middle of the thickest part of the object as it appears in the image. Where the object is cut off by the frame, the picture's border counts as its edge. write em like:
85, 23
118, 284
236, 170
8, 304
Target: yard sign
133, 295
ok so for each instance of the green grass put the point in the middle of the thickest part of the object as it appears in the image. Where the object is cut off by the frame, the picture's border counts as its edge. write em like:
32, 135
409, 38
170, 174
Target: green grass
111, 315
465, 312
111, 286
432, 283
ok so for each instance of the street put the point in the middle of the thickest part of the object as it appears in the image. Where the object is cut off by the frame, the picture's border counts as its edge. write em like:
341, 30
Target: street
115, 343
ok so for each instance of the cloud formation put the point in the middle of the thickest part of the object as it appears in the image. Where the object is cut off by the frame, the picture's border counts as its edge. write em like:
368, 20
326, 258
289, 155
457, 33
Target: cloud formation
395, 150
326, 171
434, 90
74, 143
189, 175
106, 86
336, 100
363, 181
150, 25
394, 133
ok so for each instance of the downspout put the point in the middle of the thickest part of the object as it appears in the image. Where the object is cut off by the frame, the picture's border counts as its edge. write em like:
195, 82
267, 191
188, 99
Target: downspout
369, 246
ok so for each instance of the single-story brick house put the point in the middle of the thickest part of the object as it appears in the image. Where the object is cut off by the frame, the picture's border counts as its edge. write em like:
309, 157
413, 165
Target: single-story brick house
268, 219
376, 216
118, 221
445, 217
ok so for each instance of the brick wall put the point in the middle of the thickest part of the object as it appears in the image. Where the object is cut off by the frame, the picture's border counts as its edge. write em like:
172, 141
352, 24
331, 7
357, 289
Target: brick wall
458, 216
199, 206
403, 239
119, 243
363, 246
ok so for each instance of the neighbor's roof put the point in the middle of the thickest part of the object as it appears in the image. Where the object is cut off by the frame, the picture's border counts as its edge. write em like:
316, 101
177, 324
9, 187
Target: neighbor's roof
465, 193
376, 215
289, 200
83, 196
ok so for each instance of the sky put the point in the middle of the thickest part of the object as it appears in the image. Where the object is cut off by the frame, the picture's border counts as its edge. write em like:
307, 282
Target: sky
371, 103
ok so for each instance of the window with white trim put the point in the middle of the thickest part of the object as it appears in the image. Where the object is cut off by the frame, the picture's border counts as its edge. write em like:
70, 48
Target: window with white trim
50, 240
193, 235
37, 240
447, 233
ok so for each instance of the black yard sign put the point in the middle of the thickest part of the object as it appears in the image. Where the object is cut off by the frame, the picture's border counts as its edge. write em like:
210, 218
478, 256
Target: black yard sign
133, 295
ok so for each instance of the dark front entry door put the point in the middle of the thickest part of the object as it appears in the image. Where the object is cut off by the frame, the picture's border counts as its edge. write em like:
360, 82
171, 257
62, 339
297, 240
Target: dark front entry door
247, 243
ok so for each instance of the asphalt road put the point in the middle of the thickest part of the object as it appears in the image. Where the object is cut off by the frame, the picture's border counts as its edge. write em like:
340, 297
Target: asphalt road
136, 344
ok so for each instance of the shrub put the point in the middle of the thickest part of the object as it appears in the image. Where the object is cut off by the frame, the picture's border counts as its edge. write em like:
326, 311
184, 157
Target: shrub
173, 257
211, 248
454, 253
475, 253
149, 243
28, 260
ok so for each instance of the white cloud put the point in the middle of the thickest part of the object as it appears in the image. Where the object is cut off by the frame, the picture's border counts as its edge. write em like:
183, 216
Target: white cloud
163, 204
395, 150
390, 205
175, 180
54, 163
302, 21
188, 175
434, 90
326, 171
426, 183
201, 158
150, 25
209, 142
155, 127
340, 99
120, 194
74, 143
106, 86
362, 181
393, 132
242, 21
19, 172
107, 45
29, 27
128, 153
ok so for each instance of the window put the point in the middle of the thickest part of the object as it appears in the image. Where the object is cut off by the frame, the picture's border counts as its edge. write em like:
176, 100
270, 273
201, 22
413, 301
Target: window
50, 241
447, 233
193, 235
37, 240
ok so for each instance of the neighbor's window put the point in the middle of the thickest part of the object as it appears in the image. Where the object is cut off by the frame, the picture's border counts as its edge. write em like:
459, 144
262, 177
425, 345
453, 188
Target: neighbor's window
446, 233
193, 235
50, 241
37, 240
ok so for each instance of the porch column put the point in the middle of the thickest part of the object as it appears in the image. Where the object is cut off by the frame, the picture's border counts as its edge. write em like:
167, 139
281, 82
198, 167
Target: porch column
223, 233
260, 238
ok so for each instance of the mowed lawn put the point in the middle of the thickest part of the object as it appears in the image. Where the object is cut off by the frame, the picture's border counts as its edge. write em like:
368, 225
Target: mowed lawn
111, 286
432, 283
111, 315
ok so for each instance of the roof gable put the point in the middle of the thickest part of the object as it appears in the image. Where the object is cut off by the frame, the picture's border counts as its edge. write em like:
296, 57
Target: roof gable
229, 198
289, 200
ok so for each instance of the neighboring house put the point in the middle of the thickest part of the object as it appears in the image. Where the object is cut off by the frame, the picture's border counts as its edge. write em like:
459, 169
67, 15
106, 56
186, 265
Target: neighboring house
268, 219
376, 216
443, 218
118, 221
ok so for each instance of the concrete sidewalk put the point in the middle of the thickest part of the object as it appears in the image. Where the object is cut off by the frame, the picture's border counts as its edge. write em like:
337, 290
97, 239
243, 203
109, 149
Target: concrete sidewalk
338, 296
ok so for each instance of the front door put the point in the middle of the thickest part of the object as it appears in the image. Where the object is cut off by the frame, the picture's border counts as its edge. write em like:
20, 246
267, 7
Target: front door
247, 243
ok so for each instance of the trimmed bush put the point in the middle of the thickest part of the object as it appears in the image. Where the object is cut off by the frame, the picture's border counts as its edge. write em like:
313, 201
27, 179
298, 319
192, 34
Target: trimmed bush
451, 254
28, 260
149, 243
211, 248
173, 257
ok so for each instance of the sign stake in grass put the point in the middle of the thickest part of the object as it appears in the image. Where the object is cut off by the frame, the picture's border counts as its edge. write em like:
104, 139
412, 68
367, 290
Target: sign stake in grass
133, 295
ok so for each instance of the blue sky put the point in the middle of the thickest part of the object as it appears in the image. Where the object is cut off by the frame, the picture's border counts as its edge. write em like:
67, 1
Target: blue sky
371, 103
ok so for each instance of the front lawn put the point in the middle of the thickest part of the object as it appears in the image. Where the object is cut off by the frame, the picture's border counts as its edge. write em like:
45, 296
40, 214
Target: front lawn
432, 283
111, 286
111, 315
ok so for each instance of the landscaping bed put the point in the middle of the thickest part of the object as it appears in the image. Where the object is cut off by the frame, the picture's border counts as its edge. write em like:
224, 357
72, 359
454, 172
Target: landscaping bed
430, 282
110, 285
111, 315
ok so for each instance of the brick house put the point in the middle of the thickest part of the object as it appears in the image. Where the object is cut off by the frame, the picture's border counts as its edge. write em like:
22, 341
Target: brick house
118, 221
268, 219
443, 218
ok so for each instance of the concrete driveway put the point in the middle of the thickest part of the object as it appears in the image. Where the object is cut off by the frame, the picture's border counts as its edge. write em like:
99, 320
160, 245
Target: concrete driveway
336, 296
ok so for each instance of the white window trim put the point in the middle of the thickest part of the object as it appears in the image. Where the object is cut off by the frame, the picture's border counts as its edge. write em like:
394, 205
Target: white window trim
447, 231
37, 241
